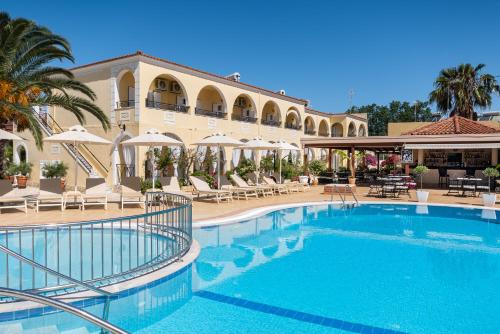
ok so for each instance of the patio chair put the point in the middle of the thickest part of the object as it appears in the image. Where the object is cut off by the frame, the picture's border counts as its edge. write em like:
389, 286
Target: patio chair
402, 188
9, 199
454, 187
238, 192
170, 185
130, 192
279, 188
390, 190
261, 189
96, 193
50, 194
483, 187
202, 188
375, 188
443, 177
469, 187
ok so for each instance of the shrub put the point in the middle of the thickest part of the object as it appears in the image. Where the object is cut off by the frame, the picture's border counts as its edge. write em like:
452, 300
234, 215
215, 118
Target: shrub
148, 184
245, 167
212, 182
53, 170
420, 170
24, 168
490, 172
316, 167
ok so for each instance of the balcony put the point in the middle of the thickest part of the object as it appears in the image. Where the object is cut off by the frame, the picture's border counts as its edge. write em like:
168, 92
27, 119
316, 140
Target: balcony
310, 132
125, 104
271, 123
247, 119
166, 106
293, 126
209, 113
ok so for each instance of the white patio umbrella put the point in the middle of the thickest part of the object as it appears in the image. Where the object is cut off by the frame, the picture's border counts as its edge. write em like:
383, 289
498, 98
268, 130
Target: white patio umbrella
76, 135
258, 144
6, 135
219, 140
152, 138
284, 146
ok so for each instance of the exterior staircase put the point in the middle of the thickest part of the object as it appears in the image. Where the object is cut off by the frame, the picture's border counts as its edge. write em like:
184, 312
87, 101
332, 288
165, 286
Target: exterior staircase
83, 155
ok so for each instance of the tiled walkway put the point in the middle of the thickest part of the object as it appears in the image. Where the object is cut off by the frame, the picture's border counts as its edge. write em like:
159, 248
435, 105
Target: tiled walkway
205, 209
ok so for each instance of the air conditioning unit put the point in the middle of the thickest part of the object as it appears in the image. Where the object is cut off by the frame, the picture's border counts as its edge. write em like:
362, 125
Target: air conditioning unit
175, 87
234, 76
161, 84
282, 92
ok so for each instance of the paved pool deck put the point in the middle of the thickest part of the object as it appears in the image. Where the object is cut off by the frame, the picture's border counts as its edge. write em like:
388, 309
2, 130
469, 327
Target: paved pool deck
207, 209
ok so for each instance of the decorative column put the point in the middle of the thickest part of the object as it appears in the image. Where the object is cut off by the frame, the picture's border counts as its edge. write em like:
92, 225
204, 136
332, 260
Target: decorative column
329, 159
494, 156
420, 157
352, 161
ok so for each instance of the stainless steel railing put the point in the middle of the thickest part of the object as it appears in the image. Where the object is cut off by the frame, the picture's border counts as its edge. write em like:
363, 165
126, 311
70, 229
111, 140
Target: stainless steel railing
97, 253
23, 295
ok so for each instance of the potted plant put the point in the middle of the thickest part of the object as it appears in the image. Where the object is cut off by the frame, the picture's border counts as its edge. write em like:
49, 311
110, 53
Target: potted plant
11, 172
490, 199
24, 170
316, 167
422, 195
55, 170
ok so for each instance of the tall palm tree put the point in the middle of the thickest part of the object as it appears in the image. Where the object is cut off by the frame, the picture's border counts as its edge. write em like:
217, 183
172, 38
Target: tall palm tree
459, 89
28, 76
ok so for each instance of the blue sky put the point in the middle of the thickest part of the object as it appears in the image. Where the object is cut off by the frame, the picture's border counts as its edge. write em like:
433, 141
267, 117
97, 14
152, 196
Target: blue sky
318, 50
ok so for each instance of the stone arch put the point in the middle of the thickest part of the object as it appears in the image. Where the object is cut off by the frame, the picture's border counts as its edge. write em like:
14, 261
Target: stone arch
244, 109
20, 152
337, 130
323, 128
123, 158
292, 119
362, 131
125, 86
167, 92
210, 101
271, 114
351, 130
309, 126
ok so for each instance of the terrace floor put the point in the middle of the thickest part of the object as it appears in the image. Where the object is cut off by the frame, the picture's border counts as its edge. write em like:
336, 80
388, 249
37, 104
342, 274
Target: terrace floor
207, 209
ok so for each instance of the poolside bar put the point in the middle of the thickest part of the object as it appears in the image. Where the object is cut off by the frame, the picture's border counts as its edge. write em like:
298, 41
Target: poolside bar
448, 156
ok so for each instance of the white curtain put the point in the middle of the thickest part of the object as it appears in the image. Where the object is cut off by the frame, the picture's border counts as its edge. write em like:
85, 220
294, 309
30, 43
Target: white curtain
247, 154
213, 151
236, 157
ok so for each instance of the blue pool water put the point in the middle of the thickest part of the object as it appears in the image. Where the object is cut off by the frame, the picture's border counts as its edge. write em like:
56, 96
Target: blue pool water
320, 269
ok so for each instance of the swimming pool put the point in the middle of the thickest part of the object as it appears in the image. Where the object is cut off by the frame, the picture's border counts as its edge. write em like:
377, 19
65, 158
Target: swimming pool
376, 268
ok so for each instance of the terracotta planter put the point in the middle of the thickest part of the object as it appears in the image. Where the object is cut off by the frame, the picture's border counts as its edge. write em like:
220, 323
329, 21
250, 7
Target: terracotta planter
314, 181
21, 181
9, 177
352, 180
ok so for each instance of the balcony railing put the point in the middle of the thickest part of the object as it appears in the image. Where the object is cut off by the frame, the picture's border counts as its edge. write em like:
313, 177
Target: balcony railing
310, 132
166, 106
125, 104
248, 119
204, 112
293, 126
271, 122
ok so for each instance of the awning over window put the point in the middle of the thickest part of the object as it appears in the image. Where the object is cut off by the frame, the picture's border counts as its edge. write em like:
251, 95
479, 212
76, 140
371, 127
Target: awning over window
450, 146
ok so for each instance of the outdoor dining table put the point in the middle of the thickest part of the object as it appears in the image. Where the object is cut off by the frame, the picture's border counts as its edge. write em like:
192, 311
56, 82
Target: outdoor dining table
468, 184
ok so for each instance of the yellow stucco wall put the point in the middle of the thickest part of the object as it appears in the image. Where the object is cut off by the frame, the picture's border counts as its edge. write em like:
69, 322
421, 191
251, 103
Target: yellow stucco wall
110, 82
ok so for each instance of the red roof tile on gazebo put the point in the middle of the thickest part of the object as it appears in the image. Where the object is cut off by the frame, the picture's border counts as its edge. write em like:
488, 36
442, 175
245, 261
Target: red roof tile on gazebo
453, 125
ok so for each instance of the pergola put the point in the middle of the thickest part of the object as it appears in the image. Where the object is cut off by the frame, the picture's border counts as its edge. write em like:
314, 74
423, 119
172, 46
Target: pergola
387, 144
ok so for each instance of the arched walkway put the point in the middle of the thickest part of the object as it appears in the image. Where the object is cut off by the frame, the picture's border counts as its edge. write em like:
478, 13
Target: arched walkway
292, 120
362, 131
168, 93
211, 102
122, 158
323, 128
244, 109
309, 126
337, 130
126, 90
351, 130
271, 114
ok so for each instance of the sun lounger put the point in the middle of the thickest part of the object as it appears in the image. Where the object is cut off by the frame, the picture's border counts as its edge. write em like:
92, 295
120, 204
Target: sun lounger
9, 199
171, 185
50, 194
131, 191
202, 188
264, 190
96, 193
279, 188
238, 192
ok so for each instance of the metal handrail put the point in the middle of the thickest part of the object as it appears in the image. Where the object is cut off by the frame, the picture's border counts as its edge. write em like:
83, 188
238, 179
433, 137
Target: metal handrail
139, 244
69, 146
103, 324
53, 272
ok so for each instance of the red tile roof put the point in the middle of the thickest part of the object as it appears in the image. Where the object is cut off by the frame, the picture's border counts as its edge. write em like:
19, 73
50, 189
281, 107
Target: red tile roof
453, 125
140, 53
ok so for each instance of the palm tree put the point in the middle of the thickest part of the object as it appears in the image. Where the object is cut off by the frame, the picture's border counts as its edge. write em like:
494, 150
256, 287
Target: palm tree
28, 77
459, 89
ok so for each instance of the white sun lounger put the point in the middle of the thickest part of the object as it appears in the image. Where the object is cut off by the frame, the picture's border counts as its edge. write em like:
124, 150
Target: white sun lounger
131, 191
96, 193
202, 188
170, 185
261, 189
238, 192
9, 199
50, 194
